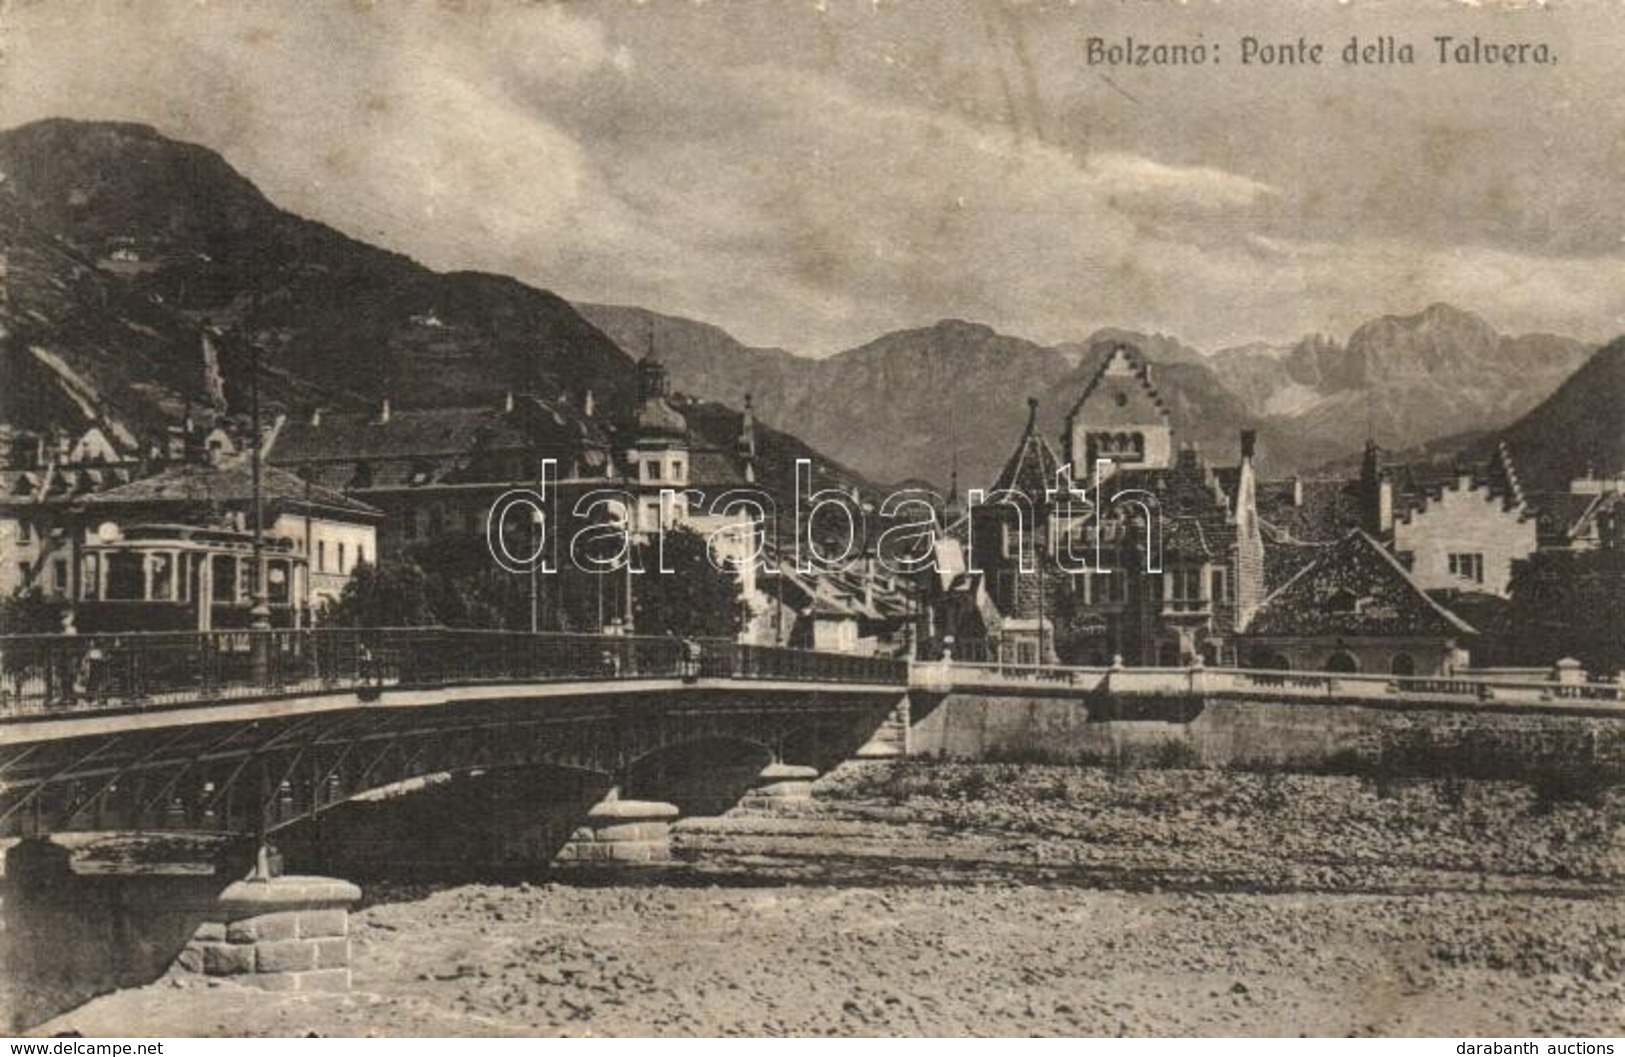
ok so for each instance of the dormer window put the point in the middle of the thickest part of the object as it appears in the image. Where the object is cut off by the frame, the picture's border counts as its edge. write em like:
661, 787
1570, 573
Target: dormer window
1342, 600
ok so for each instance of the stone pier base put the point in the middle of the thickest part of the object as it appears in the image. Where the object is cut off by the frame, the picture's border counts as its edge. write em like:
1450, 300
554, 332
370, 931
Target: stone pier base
280, 934
622, 832
891, 739
781, 783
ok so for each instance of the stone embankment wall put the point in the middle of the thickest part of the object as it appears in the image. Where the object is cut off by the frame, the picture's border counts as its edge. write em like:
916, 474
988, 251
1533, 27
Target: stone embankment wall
1294, 735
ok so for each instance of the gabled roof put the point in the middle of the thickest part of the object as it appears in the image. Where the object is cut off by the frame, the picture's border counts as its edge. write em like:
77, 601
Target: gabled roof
1194, 507
1124, 363
1560, 516
1329, 508
226, 484
1355, 588
1032, 467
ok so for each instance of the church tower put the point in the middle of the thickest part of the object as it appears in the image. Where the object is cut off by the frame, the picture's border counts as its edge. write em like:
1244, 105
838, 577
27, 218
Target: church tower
657, 458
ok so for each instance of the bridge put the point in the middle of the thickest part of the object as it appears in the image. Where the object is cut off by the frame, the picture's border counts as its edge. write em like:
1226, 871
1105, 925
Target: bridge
254, 731
266, 734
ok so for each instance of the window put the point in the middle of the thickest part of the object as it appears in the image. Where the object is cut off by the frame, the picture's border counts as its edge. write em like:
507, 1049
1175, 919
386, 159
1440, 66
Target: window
1403, 664
341, 557
1186, 586
1342, 661
677, 469
124, 577
360, 553
321, 556
23, 573
277, 583
225, 578
651, 470
25, 532
89, 576
1468, 566
162, 569
1219, 588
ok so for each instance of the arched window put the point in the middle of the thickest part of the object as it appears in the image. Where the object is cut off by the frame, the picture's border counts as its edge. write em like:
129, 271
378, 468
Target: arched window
1342, 661
1403, 664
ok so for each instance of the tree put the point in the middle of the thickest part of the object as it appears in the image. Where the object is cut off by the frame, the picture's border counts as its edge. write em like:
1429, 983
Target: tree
1568, 604
394, 594
28, 612
694, 599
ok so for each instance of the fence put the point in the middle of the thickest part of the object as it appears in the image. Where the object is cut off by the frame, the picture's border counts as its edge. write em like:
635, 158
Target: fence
1524, 688
65, 673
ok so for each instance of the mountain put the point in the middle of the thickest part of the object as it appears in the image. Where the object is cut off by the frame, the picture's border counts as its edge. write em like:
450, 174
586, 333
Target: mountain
1578, 431
1406, 380
911, 404
123, 246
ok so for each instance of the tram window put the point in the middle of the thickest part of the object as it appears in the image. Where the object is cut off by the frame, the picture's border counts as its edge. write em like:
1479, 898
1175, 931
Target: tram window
225, 578
124, 579
277, 584
163, 577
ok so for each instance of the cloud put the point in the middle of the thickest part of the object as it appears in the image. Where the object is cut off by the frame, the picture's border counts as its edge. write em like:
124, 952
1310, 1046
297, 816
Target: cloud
796, 203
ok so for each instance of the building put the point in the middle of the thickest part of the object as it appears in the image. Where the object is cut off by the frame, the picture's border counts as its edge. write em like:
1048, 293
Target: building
437, 472
175, 551
1355, 608
1174, 547
1461, 534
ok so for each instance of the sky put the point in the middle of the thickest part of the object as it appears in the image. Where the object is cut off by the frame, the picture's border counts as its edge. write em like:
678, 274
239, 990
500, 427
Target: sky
809, 175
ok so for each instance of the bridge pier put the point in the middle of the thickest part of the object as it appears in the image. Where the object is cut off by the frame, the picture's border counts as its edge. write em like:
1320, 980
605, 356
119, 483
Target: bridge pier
279, 934
781, 783
890, 740
621, 833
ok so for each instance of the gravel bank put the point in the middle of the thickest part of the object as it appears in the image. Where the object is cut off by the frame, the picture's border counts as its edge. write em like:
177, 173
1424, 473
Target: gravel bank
1005, 900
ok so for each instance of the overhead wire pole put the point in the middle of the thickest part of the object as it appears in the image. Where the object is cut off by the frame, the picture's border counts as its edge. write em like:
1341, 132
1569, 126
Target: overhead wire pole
259, 612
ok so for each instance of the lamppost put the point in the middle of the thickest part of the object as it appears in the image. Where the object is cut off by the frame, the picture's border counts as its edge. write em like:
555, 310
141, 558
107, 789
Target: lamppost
259, 612
538, 522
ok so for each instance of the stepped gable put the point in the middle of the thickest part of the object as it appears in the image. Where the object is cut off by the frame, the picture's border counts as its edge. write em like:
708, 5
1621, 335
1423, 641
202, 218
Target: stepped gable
1417, 486
1355, 587
1110, 380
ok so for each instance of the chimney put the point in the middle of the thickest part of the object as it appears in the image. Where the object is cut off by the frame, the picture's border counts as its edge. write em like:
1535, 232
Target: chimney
383, 412
1297, 491
1249, 444
507, 402
1464, 480
1384, 512
315, 416
587, 404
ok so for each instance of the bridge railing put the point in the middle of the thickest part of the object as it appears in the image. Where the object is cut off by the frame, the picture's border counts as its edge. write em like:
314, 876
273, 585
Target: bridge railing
40, 673
80, 672
1273, 684
721, 659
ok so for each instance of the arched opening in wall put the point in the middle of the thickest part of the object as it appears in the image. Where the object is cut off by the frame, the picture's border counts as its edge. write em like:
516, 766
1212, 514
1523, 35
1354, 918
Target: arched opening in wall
1342, 661
1403, 664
